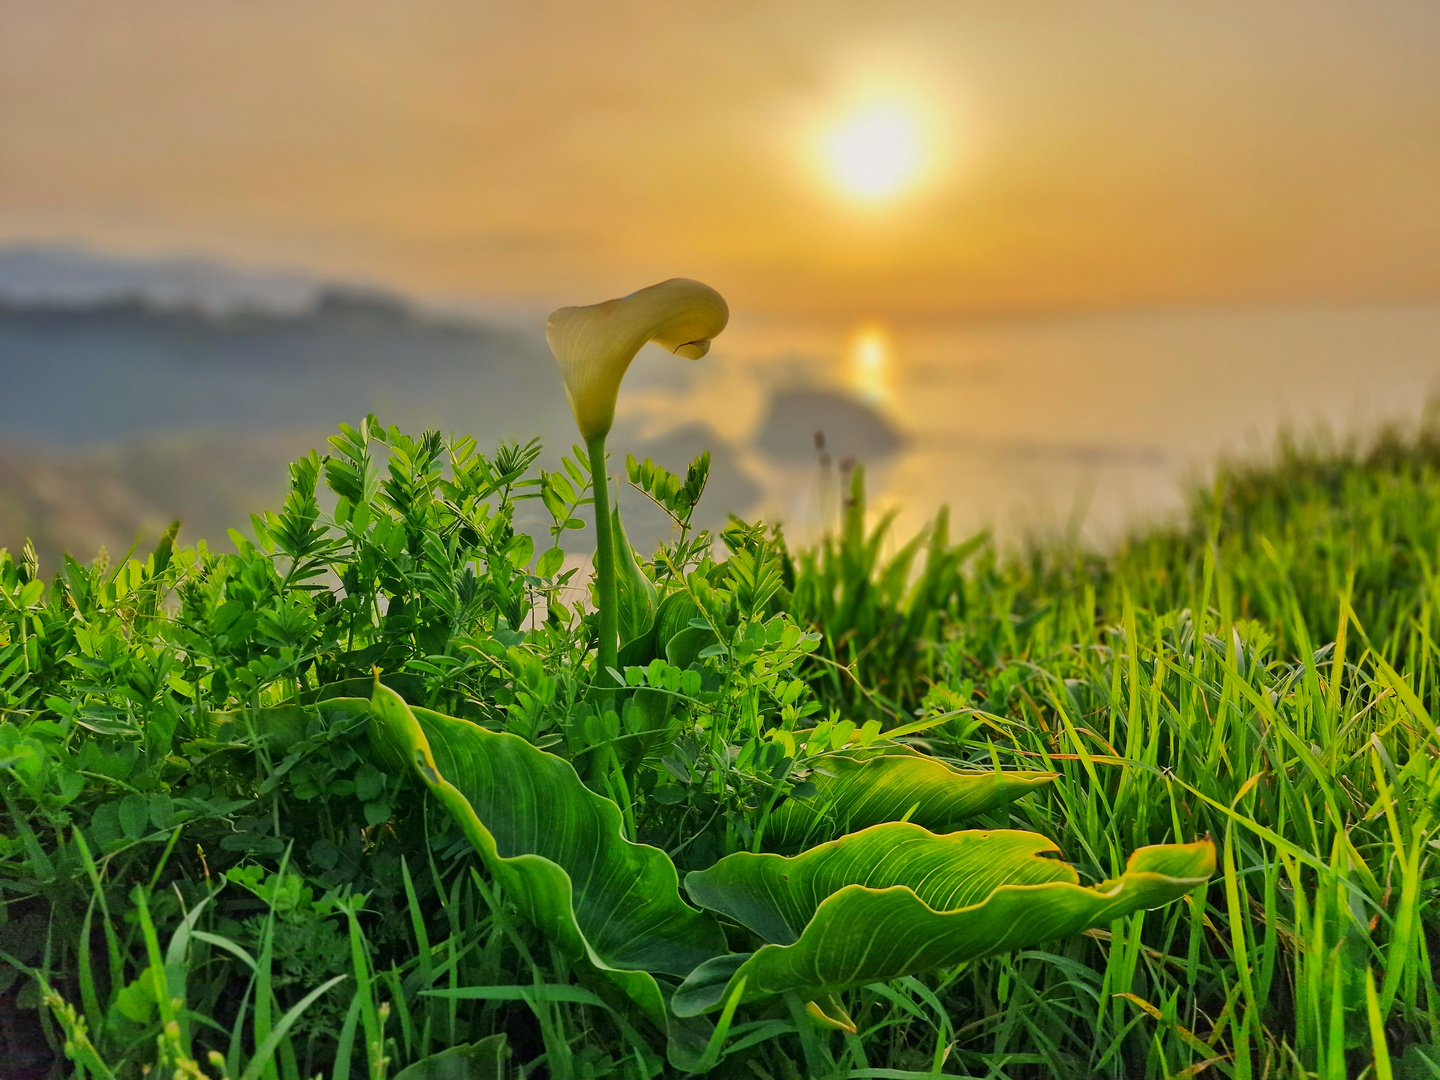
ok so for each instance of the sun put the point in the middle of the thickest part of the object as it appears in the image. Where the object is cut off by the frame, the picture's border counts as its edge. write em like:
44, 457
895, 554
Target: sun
875, 153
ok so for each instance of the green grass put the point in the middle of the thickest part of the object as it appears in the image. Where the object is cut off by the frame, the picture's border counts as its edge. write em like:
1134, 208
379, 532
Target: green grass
1316, 769
1264, 671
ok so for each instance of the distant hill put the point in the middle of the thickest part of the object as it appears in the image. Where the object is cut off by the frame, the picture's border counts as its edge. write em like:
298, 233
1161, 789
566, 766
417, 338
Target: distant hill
132, 396
113, 496
62, 275
133, 393
124, 368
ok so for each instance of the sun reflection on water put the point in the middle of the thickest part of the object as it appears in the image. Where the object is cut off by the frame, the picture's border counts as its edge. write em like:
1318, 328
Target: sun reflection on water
872, 363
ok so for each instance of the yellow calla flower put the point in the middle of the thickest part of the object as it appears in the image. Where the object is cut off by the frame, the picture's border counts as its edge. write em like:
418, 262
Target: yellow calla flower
594, 345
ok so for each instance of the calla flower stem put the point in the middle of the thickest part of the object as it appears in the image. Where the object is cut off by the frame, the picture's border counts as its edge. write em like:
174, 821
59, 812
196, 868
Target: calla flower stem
609, 600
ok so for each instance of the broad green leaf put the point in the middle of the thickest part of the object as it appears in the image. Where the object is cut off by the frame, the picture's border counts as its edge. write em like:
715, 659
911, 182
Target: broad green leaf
402, 683
483, 1060
896, 900
134, 811
675, 613
556, 848
282, 725
685, 647
549, 563
635, 592
890, 782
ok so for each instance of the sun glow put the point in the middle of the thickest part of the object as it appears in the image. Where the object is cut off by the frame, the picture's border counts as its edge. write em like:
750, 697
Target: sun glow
875, 152
871, 362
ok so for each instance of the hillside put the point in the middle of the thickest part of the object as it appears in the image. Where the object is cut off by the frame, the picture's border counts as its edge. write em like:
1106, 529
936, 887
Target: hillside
1224, 727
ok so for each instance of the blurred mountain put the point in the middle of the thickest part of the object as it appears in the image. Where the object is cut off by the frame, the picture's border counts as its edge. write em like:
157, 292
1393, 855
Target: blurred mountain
124, 368
67, 276
131, 395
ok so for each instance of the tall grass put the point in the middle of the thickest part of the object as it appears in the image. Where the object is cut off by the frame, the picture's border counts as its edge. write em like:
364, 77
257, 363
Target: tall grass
1264, 671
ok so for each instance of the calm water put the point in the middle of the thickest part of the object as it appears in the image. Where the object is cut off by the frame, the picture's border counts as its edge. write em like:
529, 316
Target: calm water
1094, 419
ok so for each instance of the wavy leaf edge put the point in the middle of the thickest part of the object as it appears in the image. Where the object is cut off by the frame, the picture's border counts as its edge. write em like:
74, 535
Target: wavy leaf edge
408, 740
710, 983
796, 821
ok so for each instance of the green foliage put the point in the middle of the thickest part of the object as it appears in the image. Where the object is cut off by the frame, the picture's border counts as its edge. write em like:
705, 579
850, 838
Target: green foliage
879, 615
207, 869
854, 787
483, 1060
678, 498
556, 848
897, 900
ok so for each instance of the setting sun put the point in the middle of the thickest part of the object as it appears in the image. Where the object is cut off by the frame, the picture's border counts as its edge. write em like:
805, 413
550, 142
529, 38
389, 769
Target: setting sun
875, 153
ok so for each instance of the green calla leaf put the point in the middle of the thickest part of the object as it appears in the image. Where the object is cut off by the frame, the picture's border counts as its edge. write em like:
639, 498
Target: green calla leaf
282, 725
405, 684
556, 848
674, 615
856, 788
483, 1060
647, 721
896, 900
685, 647
635, 592
637, 653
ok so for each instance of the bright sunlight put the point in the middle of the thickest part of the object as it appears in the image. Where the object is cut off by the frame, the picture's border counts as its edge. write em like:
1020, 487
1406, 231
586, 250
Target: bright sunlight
875, 153
870, 362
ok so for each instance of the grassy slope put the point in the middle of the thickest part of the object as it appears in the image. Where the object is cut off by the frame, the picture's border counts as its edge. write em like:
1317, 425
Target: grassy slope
1264, 673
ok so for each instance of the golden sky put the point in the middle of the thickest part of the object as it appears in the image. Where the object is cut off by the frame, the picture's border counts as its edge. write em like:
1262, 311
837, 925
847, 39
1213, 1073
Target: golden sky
1068, 156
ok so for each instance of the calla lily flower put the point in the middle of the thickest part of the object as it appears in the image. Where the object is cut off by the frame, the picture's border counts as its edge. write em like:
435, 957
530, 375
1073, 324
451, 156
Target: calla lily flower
594, 345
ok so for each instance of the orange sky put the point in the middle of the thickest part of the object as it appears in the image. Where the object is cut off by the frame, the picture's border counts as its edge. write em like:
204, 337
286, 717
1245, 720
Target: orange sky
1077, 155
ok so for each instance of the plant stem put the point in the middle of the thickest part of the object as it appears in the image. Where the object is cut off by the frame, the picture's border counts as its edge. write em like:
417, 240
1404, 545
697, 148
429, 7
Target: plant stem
608, 652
